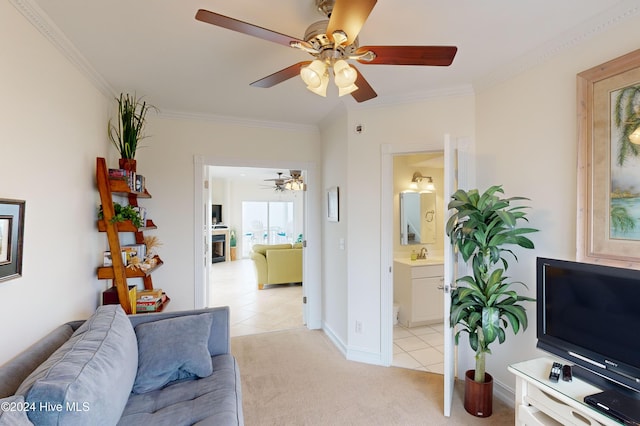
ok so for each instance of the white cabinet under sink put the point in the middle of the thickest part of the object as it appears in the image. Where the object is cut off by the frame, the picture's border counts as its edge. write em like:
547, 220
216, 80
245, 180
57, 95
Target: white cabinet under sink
415, 289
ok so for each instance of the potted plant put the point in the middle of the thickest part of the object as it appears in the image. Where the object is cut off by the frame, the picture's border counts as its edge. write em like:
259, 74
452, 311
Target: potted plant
128, 130
482, 228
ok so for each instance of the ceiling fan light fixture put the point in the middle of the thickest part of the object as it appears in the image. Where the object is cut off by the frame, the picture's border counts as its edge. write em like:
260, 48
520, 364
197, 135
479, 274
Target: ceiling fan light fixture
345, 74
313, 73
347, 90
322, 88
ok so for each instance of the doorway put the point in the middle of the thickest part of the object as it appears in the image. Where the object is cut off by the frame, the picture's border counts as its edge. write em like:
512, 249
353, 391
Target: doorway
418, 224
311, 225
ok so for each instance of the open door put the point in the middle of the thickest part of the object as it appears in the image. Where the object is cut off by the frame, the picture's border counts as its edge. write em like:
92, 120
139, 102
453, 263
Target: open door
459, 173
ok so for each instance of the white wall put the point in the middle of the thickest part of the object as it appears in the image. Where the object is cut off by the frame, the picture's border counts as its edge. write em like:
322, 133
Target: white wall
526, 139
334, 256
353, 162
53, 125
168, 164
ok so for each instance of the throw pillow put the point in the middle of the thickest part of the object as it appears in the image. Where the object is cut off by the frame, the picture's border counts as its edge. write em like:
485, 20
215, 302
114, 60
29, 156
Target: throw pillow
13, 411
172, 349
88, 379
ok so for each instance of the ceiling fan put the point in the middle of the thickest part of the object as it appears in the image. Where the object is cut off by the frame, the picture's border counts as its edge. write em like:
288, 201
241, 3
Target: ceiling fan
294, 182
332, 42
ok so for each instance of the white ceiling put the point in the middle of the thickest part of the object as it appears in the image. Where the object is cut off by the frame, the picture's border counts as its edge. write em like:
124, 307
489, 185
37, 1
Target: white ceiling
157, 49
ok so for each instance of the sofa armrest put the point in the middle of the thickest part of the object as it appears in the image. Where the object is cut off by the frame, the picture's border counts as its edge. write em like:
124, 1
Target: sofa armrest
260, 263
220, 337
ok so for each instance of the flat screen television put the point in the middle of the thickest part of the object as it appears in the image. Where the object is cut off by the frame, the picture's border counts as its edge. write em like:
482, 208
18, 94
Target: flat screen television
216, 213
590, 315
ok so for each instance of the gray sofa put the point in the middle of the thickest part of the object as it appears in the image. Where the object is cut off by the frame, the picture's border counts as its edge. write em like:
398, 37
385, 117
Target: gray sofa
170, 368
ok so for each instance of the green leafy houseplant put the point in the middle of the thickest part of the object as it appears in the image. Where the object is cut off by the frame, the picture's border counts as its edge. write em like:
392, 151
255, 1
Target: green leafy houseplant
128, 130
482, 228
123, 213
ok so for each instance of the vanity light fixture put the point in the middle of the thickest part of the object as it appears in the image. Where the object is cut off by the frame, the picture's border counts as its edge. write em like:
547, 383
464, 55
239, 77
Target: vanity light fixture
424, 183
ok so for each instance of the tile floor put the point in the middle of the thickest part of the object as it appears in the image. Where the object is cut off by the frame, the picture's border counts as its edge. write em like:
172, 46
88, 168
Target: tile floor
419, 348
253, 311
279, 307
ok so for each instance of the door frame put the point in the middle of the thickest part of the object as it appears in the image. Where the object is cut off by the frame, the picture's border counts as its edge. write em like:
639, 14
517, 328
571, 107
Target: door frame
388, 151
311, 288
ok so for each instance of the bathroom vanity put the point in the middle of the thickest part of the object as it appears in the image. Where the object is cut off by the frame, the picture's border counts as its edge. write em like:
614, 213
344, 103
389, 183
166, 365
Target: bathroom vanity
415, 289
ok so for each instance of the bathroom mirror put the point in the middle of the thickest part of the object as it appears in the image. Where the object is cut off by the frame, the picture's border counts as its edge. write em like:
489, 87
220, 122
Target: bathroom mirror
417, 218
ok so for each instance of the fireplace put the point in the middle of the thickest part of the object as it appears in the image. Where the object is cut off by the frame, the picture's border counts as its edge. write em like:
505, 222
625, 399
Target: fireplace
218, 248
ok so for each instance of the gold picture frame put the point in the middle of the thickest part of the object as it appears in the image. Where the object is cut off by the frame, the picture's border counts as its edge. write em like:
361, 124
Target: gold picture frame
608, 222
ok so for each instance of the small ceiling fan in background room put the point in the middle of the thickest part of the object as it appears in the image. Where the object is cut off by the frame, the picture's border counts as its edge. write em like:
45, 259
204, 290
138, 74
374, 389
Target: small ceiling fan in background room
332, 43
294, 182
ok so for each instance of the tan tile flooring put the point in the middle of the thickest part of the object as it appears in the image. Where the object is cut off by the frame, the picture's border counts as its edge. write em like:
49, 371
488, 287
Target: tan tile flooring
253, 311
279, 307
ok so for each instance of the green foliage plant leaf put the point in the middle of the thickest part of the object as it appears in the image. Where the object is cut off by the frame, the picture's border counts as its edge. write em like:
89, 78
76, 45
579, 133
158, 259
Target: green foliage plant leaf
484, 228
128, 129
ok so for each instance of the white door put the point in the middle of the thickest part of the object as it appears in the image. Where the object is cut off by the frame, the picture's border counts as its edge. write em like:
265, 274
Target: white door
459, 173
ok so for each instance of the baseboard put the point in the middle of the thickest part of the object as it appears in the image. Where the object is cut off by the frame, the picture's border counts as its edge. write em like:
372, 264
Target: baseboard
335, 339
352, 354
504, 393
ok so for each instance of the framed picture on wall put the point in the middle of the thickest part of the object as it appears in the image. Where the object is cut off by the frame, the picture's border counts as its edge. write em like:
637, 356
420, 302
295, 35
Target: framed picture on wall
333, 204
608, 230
11, 234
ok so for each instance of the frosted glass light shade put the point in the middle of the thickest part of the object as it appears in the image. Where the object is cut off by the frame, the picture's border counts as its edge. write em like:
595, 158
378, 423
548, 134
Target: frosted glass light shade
345, 75
312, 73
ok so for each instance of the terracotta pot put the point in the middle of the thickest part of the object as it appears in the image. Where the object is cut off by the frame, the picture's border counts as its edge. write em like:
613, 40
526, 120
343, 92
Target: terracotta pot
478, 397
127, 164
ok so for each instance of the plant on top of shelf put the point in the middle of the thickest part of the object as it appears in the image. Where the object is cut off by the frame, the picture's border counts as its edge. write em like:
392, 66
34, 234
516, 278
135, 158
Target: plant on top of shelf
123, 213
128, 130
482, 227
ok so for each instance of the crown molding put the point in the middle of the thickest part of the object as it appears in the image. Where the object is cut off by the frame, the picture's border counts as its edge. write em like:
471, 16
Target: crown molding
239, 121
39, 19
623, 11
413, 97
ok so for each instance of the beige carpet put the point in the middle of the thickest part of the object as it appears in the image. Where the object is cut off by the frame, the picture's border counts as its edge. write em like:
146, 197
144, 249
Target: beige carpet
298, 377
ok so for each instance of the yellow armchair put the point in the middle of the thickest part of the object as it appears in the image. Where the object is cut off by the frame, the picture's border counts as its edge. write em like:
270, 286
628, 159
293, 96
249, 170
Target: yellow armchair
277, 263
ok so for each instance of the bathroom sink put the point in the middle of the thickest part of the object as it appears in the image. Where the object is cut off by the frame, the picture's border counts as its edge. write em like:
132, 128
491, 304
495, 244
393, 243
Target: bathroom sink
421, 262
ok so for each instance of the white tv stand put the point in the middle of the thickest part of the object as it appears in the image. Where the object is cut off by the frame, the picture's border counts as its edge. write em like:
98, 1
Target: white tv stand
541, 402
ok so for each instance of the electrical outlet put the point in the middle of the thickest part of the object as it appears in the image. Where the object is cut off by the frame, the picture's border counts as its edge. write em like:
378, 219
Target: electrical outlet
359, 327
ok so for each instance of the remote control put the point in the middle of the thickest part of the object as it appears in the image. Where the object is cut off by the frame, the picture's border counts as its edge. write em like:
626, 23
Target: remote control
554, 374
566, 373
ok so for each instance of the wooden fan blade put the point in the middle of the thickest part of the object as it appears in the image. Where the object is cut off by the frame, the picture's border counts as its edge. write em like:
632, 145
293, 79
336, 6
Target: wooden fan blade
365, 91
410, 55
280, 76
245, 28
349, 16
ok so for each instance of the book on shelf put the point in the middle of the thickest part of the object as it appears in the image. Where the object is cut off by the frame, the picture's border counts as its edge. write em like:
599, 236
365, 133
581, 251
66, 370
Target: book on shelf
150, 305
119, 174
150, 294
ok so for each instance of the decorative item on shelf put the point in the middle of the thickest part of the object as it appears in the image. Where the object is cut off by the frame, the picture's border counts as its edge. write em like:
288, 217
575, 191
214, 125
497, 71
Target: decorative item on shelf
128, 130
481, 228
123, 213
152, 242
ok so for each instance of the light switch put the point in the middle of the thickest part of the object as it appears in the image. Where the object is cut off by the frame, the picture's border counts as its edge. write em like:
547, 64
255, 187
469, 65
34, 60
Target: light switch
341, 243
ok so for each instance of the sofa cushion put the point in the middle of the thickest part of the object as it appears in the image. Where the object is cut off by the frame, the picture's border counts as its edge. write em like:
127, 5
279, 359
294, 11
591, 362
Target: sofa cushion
90, 376
184, 355
213, 400
13, 411
262, 248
